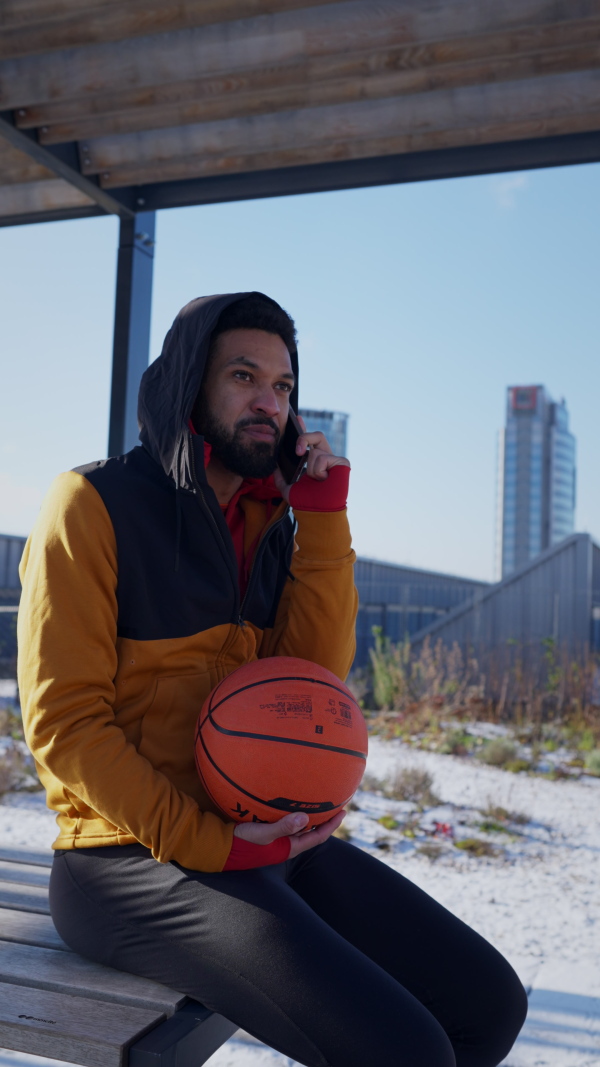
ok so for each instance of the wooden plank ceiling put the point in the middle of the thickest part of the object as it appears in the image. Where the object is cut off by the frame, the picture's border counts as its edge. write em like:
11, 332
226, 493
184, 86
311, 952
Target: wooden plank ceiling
152, 92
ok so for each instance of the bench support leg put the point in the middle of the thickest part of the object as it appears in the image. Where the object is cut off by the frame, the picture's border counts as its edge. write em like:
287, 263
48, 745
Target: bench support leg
187, 1039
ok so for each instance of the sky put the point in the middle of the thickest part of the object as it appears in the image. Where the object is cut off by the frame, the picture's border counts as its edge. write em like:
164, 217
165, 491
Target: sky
416, 306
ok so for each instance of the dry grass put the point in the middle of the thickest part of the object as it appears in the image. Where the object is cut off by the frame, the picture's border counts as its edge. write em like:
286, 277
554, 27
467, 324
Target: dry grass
12, 769
413, 784
412, 692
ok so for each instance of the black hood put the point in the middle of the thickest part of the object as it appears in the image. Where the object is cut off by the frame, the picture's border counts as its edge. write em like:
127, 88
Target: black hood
170, 385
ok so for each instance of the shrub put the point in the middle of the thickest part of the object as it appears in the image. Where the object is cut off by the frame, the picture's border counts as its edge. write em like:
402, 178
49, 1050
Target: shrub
12, 768
498, 752
592, 762
515, 766
456, 743
371, 784
431, 850
476, 846
500, 814
413, 784
389, 822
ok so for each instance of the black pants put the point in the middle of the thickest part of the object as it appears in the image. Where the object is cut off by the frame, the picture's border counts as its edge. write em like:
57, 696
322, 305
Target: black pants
332, 958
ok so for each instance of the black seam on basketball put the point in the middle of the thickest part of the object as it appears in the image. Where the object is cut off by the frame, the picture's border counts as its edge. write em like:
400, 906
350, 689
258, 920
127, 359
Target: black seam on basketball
285, 740
288, 678
230, 780
210, 700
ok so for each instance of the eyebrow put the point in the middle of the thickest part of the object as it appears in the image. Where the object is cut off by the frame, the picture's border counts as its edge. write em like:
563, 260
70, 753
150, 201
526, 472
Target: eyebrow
250, 363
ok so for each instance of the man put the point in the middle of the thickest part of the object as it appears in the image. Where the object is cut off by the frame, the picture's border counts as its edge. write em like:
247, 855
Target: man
148, 578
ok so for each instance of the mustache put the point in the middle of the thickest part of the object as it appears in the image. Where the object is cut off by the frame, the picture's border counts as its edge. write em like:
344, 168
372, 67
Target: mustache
260, 420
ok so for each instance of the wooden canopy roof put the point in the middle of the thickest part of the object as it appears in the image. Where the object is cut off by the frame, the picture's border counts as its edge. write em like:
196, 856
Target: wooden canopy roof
132, 105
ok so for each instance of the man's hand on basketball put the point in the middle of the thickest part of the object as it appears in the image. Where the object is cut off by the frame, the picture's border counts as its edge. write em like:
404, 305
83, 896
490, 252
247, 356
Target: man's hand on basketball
292, 826
320, 458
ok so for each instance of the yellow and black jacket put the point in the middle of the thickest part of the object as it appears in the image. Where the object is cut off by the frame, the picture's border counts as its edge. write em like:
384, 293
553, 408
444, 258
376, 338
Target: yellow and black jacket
131, 613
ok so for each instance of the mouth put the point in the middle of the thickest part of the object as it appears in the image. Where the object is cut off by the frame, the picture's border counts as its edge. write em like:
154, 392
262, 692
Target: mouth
260, 433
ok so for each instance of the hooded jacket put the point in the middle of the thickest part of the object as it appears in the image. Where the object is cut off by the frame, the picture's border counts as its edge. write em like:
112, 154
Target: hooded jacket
131, 613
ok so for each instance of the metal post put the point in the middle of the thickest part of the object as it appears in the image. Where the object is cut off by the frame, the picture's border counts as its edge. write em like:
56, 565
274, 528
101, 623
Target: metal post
131, 346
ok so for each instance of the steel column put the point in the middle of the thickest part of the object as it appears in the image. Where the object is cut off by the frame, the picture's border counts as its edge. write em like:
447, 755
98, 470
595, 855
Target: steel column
131, 346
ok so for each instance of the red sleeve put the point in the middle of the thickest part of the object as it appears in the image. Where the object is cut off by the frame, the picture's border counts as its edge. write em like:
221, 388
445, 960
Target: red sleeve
245, 854
331, 494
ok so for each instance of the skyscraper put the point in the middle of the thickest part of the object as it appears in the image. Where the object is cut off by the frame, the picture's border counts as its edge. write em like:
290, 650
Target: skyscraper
536, 483
332, 423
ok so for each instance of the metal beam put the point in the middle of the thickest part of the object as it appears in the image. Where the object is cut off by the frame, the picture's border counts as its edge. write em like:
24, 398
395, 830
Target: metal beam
532, 154
566, 150
131, 346
63, 160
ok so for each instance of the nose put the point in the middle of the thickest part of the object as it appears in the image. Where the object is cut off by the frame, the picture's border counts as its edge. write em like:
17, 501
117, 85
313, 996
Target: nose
266, 403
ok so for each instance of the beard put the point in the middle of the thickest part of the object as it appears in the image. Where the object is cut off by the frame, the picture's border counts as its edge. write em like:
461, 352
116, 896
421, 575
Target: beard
249, 459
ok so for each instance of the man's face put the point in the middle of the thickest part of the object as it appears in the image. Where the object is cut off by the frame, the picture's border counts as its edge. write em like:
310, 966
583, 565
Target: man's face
243, 405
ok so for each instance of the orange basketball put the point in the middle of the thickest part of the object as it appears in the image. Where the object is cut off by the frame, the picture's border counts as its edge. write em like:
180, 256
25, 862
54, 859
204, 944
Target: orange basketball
280, 735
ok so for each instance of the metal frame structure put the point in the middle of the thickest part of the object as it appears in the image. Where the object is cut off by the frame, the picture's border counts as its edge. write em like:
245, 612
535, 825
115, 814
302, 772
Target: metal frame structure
127, 109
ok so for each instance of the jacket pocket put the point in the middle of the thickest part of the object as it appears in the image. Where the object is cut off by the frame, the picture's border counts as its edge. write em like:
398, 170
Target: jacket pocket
169, 727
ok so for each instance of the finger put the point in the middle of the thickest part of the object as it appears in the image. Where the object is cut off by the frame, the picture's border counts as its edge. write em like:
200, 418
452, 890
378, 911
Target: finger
315, 439
303, 841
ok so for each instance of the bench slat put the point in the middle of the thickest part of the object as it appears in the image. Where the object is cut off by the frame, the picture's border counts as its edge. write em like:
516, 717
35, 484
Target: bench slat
39, 857
24, 897
24, 873
30, 928
62, 972
70, 1028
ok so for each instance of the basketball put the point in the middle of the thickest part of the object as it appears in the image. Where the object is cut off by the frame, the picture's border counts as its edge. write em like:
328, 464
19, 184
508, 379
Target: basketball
280, 735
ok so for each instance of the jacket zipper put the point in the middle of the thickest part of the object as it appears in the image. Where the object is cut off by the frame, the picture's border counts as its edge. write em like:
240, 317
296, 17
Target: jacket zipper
257, 556
261, 544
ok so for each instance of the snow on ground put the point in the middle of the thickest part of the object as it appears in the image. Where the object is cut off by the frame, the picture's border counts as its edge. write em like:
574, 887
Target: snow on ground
537, 900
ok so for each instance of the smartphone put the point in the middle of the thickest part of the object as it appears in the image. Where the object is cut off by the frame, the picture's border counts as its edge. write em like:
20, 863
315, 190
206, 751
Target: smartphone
290, 463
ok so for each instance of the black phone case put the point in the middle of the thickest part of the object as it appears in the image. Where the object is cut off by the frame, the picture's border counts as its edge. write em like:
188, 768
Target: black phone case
290, 464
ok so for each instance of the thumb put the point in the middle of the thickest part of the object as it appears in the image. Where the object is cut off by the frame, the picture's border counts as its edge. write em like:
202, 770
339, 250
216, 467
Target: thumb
266, 832
290, 824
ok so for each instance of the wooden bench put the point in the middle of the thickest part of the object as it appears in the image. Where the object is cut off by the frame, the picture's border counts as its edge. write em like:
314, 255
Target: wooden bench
54, 1003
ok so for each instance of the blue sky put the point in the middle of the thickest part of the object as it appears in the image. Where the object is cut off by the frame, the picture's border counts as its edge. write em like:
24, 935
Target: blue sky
416, 306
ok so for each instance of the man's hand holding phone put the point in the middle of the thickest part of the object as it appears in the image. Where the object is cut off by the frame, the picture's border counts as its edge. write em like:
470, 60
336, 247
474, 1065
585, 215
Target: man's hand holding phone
312, 451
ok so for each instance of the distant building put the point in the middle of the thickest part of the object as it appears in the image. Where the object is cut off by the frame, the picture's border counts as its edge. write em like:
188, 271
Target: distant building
11, 550
536, 477
333, 424
556, 595
403, 600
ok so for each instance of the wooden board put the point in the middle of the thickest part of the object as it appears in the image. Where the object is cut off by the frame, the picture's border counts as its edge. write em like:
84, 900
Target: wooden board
30, 928
24, 898
480, 114
70, 1028
332, 80
61, 972
17, 167
267, 42
40, 27
24, 873
32, 198
39, 857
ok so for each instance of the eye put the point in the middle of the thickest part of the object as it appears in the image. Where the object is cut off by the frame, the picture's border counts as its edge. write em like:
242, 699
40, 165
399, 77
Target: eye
242, 374
285, 386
